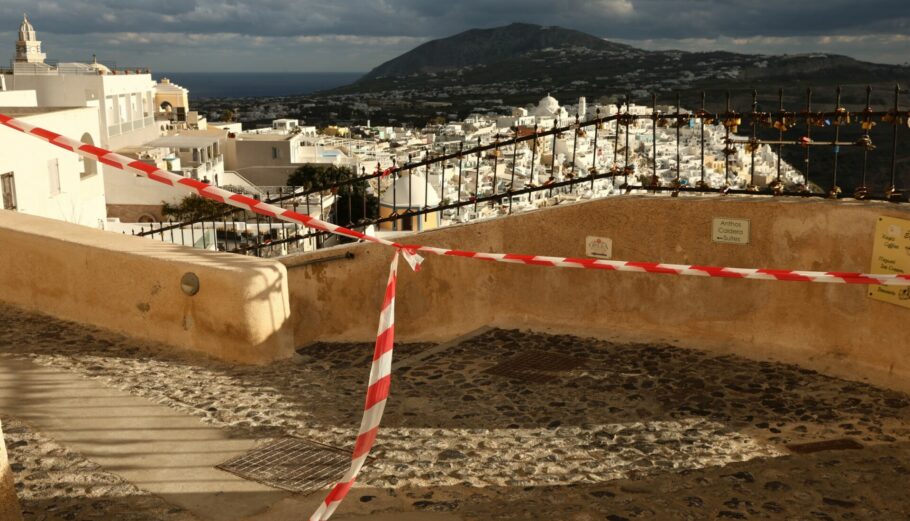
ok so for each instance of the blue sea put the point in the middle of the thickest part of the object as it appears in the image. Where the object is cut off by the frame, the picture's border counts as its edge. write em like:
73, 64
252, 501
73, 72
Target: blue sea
247, 84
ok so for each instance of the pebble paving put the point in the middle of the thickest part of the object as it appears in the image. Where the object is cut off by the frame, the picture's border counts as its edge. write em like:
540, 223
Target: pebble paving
622, 432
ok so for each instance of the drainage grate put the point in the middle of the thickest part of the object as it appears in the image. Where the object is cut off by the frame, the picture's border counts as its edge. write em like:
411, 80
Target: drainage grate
291, 464
818, 446
536, 366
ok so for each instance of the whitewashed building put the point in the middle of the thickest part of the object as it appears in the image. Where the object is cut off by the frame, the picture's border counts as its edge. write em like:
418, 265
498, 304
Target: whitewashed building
41, 179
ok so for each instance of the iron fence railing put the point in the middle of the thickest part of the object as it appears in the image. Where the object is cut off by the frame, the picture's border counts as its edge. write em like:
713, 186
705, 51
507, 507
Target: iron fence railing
631, 148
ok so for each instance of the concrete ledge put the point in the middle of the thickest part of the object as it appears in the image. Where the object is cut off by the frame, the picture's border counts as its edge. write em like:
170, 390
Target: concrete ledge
132, 286
835, 329
9, 503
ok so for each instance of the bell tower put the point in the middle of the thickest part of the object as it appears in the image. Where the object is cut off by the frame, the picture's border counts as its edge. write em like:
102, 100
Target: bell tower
28, 48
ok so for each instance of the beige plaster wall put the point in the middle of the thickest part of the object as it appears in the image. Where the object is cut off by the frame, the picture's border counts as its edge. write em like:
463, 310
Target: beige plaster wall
832, 328
9, 503
132, 285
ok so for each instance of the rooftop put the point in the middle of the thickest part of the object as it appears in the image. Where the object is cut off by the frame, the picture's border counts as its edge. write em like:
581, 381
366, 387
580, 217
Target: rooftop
181, 141
33, 111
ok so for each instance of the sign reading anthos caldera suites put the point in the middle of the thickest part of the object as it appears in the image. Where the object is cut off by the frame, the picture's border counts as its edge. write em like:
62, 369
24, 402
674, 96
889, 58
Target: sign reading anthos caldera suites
891, 254
731, 231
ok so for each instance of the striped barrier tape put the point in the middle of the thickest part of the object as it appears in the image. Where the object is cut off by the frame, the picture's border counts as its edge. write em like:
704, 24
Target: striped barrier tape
377, 394
410, 252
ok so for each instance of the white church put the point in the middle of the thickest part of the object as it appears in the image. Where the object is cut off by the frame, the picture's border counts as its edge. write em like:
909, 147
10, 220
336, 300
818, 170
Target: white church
112, 108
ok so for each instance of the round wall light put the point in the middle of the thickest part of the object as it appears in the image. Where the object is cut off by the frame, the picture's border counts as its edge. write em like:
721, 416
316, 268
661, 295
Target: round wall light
189, 283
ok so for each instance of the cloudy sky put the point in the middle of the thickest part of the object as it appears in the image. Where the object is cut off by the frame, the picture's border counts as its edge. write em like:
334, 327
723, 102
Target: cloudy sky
356, 35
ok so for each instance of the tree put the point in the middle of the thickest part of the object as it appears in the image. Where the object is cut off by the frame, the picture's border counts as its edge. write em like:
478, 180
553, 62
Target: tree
353, 204
314, 177
192, 207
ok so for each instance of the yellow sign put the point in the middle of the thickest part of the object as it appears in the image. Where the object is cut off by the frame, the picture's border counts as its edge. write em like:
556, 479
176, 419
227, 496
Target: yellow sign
891, 254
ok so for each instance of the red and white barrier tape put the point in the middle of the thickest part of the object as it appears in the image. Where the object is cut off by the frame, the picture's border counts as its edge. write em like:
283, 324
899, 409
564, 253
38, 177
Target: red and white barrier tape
380, 372
377, 394
410, 251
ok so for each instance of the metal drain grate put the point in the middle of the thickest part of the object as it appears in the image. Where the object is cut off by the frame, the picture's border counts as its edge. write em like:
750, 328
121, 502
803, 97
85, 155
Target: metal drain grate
536, 366
291, 464
818, 446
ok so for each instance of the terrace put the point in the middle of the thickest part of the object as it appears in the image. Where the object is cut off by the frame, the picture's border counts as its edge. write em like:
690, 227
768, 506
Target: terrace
625, 431
516, 390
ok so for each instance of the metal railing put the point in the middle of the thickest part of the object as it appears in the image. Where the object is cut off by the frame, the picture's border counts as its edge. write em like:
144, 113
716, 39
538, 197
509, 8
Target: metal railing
598, 157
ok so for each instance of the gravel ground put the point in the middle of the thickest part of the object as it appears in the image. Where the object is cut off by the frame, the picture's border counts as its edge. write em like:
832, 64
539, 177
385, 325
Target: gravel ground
631, 431
56, 484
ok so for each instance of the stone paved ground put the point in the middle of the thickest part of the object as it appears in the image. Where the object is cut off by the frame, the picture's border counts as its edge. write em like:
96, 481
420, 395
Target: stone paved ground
635, 432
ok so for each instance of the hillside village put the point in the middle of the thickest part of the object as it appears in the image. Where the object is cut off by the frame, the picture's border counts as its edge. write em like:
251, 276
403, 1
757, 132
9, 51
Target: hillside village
153, 122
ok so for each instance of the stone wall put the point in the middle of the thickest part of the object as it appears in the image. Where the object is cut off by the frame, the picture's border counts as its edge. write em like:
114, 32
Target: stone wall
833, 328
9, 503
136, 213
133, 286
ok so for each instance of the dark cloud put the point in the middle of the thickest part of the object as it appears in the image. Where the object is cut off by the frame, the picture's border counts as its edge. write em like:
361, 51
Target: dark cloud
387, 27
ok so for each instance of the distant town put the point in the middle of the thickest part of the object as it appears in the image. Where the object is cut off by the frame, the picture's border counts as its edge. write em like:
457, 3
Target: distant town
124, 110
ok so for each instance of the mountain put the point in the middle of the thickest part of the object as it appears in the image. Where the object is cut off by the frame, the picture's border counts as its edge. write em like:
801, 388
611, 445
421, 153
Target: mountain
488, 46
519, 63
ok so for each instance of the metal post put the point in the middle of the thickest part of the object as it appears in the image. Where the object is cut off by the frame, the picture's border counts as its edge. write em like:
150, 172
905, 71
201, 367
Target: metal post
575, 150
893, 194
626, 169
780, 137
259, 232
754, 143
835, 190
678, 131
426, 183
593, 171
477, 177
534, 154
514, 164
460, 170
442, 183
727, 147
808, 137
654, 179
495, 163
862, 191
410, 185
616, 141
552, 178
702, 183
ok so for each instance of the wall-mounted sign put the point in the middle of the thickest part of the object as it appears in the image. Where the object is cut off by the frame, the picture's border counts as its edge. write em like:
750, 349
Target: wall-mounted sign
891, 254
599, 247
730, 231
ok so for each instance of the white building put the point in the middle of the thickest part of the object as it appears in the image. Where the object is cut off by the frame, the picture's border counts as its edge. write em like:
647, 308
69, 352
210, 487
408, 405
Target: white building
126, 98
267, 159
123, 100
41, 179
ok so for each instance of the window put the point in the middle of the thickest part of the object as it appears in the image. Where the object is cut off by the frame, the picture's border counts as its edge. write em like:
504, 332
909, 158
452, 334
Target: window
274, 152
134, 107
8, 190
124, 113
53, 176
109, 110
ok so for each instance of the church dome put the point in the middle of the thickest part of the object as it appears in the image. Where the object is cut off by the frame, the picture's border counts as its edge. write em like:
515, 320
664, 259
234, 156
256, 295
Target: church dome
410, 192
100, 67
548, 106
26, 30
